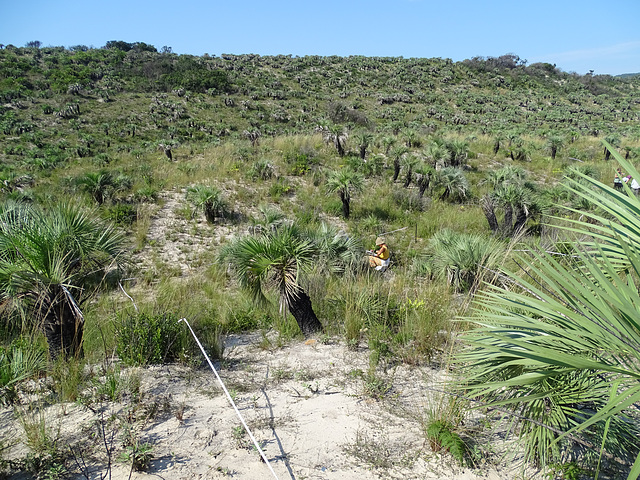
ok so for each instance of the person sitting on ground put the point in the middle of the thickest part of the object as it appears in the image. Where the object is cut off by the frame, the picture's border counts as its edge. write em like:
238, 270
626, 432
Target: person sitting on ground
379, 259
617, 180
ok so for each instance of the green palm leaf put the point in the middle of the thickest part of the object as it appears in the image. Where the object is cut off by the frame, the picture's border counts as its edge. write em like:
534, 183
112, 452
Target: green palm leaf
563, 348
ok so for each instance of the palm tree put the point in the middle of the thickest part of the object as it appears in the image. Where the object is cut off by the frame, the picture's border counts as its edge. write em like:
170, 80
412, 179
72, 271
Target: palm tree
517, 197
388, 141
408, 162
363, 139
612, 141
437, 154
52, 262
345, 182
561, 346
208, 199
554, 143
336, 135
459, 152
424, 173
271, 218
397, 153
337, 252
505, 175
462, 259
411, 138
455, 184
276, 261
100, 185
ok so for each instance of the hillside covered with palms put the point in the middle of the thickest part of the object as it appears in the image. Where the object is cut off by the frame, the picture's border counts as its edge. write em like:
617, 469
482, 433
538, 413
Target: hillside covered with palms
242, 192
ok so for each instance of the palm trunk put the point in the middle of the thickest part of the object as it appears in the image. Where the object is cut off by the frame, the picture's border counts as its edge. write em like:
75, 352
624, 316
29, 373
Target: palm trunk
63, 331
408, 178
346, 205
396, 169
423, 184
488, 208
521, 220
508, 219
302, 310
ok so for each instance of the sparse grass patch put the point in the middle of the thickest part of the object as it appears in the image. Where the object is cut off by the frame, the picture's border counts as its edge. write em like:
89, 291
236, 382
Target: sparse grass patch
377, 451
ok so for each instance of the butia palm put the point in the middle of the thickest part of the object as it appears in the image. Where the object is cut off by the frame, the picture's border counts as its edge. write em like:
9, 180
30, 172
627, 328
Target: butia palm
345, 182
462, 259
398, 153
337, 252
51, 262
409, 162
458, 151
336, 135
453, 182
208, 199
437, 154
424, 173
102, 185
276, 261
363, 139
554, 143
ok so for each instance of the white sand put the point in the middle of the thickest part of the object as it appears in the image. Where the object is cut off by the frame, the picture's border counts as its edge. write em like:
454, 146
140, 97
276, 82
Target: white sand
306, 405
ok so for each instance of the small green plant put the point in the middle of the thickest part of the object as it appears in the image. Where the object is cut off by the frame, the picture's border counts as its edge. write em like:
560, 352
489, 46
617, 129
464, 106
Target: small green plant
280, 188
238, 433
261, 169
566, 471
123, 214
42, 440
209, 200
139, 455
57, 471
441, 436
376, 387
115, 383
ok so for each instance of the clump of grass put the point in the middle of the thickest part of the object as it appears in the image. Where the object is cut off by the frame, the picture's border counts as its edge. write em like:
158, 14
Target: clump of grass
19, 361
46, 455
441, 428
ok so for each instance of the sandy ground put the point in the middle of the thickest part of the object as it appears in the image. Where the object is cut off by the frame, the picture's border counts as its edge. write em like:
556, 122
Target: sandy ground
308, 405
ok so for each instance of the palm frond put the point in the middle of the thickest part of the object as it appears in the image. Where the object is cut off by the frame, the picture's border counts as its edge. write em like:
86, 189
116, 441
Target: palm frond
563, 348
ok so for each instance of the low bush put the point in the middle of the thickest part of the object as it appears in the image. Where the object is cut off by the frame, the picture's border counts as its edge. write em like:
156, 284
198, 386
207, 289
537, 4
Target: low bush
151, 339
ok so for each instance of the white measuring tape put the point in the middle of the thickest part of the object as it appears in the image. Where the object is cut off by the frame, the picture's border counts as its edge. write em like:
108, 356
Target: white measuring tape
255, 442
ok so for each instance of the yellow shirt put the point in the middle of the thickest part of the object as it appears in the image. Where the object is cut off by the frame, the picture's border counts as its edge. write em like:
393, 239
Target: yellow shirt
383, 252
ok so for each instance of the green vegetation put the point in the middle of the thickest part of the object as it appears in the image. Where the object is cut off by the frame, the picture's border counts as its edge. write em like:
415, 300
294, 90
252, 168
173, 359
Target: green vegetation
560, 347
111, 157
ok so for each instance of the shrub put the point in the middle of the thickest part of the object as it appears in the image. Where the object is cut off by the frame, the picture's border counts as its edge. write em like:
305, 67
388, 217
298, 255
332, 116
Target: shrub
122, 214
151, 339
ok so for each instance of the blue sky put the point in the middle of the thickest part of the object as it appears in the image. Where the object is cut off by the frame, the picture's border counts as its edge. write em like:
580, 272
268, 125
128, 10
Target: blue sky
577, 36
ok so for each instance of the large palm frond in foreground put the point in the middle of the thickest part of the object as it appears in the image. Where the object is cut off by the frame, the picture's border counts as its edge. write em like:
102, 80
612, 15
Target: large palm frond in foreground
562, 348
